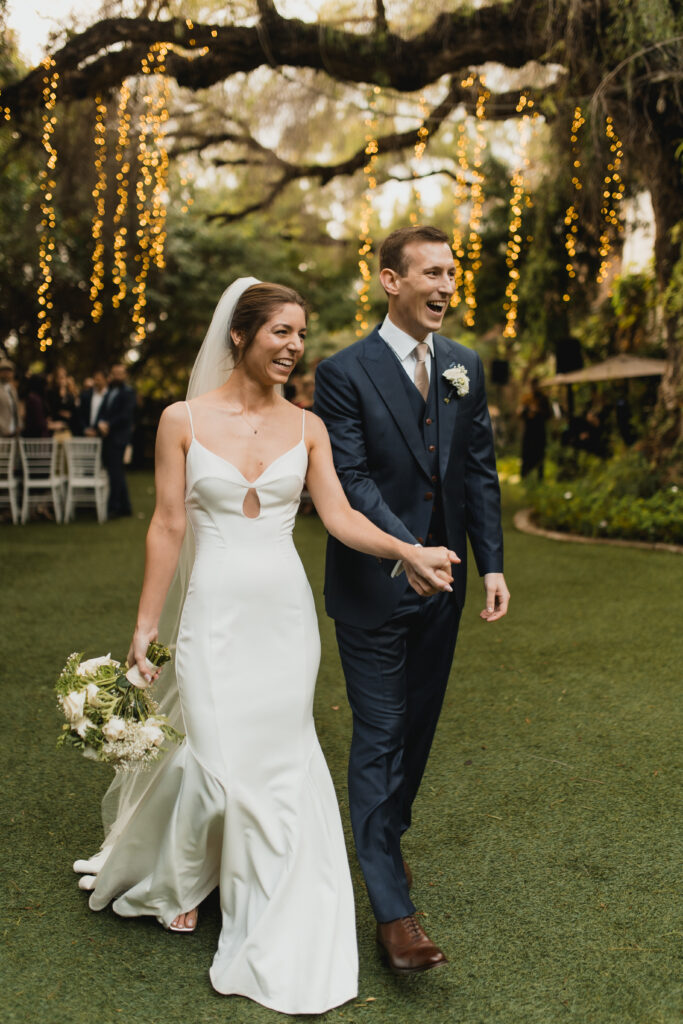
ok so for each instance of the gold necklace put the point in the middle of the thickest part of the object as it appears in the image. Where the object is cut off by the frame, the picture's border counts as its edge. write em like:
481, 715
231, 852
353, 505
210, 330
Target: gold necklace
248, 422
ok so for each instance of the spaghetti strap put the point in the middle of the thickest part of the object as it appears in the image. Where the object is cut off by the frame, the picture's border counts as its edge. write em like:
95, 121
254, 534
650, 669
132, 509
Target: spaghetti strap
189, 413
303, 423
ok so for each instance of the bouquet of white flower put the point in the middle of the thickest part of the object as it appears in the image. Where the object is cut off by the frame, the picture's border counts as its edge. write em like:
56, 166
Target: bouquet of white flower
109, 715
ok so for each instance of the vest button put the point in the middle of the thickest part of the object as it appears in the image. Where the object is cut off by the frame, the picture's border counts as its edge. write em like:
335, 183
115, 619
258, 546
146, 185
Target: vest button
421, 540
430, 536
434, 479
432, 448
428, 496
428, 421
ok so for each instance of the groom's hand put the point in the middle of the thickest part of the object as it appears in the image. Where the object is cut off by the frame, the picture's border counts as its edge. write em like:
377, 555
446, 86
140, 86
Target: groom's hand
430, 572
497, 597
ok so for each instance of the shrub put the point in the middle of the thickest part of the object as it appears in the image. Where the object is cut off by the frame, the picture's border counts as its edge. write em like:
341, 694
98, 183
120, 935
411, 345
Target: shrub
623, 497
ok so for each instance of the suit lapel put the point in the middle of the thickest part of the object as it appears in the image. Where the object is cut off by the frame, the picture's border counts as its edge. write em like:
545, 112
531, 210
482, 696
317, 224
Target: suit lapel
384, 371
448, 411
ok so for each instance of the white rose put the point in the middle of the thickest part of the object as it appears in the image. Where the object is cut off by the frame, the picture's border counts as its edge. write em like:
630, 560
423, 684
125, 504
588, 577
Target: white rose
92, 691
151, 735
114, 729
73, 704
135, 676
82, 725
87, 667
458, 378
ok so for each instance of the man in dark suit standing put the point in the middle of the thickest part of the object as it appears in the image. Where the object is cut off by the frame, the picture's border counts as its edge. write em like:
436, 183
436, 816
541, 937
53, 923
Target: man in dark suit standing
115, 425
91, 403
411, 436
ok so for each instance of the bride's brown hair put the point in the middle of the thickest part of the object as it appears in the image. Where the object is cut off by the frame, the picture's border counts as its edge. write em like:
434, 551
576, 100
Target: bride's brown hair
254, 308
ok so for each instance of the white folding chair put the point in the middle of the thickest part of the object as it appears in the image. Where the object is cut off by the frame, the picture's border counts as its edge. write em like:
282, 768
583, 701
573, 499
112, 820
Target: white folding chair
43, 479
8, 481
87, 481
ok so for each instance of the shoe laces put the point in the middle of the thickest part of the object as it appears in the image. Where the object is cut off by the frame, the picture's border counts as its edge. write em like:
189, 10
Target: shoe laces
413, 926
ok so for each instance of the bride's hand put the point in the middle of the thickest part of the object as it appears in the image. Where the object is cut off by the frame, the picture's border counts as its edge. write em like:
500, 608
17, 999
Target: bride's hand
429, 569
137, 655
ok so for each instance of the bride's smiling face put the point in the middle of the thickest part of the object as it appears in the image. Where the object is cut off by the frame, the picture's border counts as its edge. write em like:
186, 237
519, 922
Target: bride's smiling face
277, 347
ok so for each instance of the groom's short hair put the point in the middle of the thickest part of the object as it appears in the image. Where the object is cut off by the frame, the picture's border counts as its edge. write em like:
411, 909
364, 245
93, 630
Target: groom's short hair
392, 250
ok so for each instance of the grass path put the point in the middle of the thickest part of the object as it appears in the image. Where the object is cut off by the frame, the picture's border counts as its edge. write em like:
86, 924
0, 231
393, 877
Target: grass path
546, 845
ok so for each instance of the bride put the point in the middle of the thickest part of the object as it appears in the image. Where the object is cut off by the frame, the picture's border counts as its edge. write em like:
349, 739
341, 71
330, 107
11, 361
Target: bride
246, 802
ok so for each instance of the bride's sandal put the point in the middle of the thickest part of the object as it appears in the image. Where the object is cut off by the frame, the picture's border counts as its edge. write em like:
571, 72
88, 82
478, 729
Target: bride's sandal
174, 927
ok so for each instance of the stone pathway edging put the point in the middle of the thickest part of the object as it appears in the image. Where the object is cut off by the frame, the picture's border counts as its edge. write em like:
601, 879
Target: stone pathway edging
524, 523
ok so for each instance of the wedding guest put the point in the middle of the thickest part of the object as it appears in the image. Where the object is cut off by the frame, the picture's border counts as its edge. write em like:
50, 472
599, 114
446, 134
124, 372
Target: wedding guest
35, 410
91, 402
115, 425
62, 406
10, 408
534, 411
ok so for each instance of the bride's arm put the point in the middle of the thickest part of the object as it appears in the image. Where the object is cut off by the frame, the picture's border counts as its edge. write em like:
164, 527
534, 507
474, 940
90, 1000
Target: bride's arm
431, 566
166, 530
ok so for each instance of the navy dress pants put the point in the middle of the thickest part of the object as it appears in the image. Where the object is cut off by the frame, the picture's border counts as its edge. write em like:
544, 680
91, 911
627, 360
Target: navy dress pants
119, 501
396, 678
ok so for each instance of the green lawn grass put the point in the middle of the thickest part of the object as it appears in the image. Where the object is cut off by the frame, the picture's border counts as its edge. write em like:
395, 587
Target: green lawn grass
546, 845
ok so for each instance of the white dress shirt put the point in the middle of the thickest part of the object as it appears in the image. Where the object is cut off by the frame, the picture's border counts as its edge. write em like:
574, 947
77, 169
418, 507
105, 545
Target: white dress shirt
95, 404
404, 347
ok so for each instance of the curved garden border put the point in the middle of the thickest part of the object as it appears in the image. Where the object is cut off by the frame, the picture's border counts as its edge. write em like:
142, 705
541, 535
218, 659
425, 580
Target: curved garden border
524, 523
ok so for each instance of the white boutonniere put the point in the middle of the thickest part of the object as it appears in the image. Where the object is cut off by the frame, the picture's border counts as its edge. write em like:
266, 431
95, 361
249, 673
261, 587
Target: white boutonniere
459, 381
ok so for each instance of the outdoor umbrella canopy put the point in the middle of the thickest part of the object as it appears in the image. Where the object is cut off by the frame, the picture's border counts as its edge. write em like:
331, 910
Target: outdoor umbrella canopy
615, 368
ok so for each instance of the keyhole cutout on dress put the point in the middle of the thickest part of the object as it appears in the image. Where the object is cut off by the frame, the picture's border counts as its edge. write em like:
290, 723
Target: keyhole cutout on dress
251, 506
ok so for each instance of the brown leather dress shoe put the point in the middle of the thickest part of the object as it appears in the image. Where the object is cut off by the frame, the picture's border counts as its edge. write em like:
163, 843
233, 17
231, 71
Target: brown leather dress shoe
408, 873
406, 948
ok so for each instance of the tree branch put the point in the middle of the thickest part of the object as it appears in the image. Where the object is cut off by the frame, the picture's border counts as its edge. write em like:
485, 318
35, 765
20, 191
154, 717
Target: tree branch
109, 51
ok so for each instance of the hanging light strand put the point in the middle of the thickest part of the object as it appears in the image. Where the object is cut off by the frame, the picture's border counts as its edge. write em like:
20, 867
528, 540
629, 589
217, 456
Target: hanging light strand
459, 197
613, 193
99, 194
161, 165
417, 214
364, 237
571, 217
152, 115
122, 173
477, 196
517, 202
47, 186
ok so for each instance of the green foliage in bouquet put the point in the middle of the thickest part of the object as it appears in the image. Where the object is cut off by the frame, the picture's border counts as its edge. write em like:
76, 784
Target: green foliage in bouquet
110, 717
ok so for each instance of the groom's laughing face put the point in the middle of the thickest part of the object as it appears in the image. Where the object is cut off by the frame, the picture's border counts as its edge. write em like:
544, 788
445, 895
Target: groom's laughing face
420, 294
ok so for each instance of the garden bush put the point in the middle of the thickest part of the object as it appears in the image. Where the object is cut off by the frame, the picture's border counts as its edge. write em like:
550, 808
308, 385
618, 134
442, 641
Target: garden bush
623, 497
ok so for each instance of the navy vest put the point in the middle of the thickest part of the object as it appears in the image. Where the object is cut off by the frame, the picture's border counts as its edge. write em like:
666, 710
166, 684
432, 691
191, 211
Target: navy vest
426, 417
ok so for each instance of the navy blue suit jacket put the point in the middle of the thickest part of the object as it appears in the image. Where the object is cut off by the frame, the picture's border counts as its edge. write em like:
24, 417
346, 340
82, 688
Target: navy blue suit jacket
380, 457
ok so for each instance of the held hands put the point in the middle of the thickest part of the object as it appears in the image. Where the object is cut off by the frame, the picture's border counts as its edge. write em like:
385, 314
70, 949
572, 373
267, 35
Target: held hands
497, 597
429, 569
137, 655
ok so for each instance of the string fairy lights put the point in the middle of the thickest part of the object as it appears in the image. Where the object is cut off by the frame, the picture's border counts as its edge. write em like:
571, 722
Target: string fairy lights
364, 237
459, 197
417, 214
122, 164
518, 198
572, 214
150, 186
99, 194
47, 187
477, 198
613, 192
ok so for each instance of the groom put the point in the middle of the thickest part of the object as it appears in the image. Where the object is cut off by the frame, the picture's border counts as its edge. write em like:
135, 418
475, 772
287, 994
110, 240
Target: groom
414, 452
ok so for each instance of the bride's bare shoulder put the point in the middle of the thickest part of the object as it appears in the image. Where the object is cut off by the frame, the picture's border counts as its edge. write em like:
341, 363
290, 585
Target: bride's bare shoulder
174, 420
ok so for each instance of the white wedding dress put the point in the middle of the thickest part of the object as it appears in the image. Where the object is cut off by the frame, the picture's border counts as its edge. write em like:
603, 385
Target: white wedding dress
246, 802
